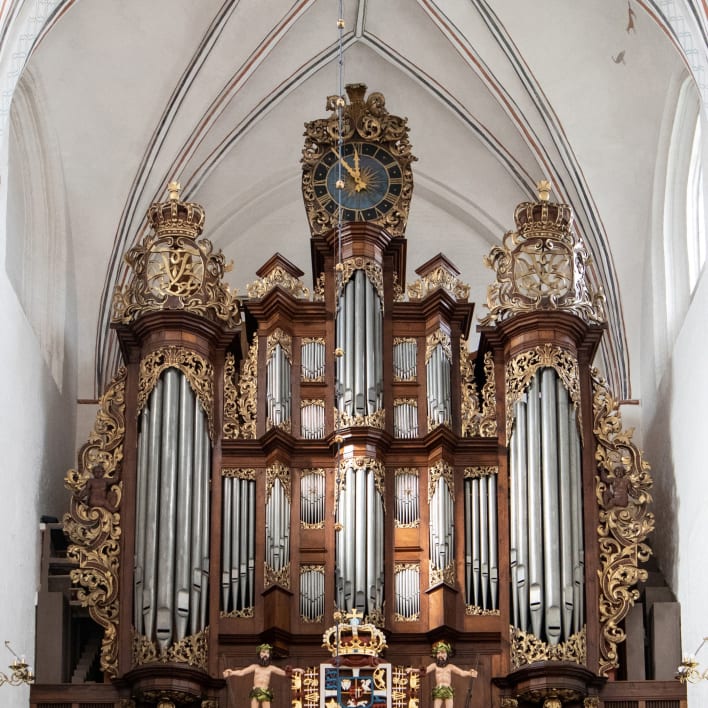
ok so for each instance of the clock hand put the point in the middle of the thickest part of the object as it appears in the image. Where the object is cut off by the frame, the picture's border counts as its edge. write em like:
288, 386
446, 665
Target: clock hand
359, 182
347, 166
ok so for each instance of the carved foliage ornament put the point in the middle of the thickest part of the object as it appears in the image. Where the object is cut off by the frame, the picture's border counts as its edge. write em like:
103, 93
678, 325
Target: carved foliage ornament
240, 401
172, 270
371, 268
439, 337
522, 368
469, 400
198, 371
192, 650
527, 648
366, 120
541, 266
93, 521
439, 278
278, 277
488, 421
438, 470
622, 487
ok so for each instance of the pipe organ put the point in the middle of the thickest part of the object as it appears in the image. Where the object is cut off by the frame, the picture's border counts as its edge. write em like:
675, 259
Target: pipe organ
269, 464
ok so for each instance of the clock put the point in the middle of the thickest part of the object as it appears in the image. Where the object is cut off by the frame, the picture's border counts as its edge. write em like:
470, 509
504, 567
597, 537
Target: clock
371, 181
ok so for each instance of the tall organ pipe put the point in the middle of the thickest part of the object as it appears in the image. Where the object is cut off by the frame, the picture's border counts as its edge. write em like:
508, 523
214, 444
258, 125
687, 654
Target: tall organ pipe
142, 474
546, 512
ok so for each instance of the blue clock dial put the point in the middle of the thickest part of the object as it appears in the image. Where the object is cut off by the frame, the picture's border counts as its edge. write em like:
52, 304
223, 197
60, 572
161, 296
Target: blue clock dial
365, 180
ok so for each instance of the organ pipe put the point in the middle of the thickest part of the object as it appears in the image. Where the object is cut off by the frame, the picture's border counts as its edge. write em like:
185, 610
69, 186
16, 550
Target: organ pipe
172, 519
359, 331
359, 557
546, 512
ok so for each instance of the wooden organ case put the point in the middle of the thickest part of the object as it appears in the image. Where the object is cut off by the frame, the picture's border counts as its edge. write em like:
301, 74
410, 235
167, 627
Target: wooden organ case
268, 468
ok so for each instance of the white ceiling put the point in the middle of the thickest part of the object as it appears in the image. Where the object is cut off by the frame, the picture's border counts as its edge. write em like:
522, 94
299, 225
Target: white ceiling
498, 95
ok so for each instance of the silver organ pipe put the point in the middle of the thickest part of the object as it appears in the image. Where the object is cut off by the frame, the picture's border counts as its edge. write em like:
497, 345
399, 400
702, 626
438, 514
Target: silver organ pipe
172, 521
546, 511
142, 478
312, 357
405, 418
168, 501
277, 531
442, 526
359, 562
405, 359
407, 498
312, 593
493, 553
549, 478
360, 335
484, 538
438, 382
312, 499
312, 420
278, 394
238, 542
407, 592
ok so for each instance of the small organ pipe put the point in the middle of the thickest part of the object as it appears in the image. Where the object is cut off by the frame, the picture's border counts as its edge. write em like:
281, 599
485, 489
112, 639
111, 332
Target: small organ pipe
493, 554
371, 350
168, 498
228, 525
184, 516
476, 557
566, 511
484, 540
360, 540
238, 528
514, 472
522, 518
371, 538
204, 469
535, 520
577, 525
551, 540
140, 518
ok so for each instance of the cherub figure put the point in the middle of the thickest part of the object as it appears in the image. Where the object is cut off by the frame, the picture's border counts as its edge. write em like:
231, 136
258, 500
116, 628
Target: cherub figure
442, 691
261, 694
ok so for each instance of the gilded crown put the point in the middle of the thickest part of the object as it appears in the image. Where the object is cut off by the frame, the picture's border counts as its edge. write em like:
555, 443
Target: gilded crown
543, 215
351, 636
172, 269
175, 217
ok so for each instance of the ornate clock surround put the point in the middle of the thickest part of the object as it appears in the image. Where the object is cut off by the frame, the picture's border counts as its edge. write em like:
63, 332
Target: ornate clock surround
375, 143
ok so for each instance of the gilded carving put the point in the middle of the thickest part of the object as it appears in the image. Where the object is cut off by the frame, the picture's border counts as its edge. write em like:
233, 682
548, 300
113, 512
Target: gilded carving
247, 392
591, 702
438, 338
318, 294
197, 370
231, 421
210, 703
93, 521
470, 410
622, 487
173, 270
277, 577
278, 277
245, 613
278, 337
192, 650
366, 120
526, 648
483, 471
372, 269
438, 470
361, 463
476, 611
442, 575
523, 367
239, 473
488, 421
280, 472
439, 278
508, 702
377, 419
541, 266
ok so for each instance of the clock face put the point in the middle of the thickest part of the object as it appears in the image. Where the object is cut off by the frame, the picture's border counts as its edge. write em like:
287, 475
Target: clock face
372, 179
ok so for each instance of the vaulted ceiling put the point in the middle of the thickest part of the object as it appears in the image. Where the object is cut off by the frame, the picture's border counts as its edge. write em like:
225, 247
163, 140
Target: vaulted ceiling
498, 94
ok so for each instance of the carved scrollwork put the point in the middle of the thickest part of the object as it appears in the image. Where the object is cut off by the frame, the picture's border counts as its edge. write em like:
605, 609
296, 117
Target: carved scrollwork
231, 420
439, 337
476, 611
362, 119
198, 371
438, 470
282, 473
488, 421
622, 487
541, 266
278, 337
278, 277
371, 268
522, 368
377, 419
442, 575
478, 472
173, 270
93, 521
439, 278
192, 650
247, 393
471, 413
276, 577
526, 648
